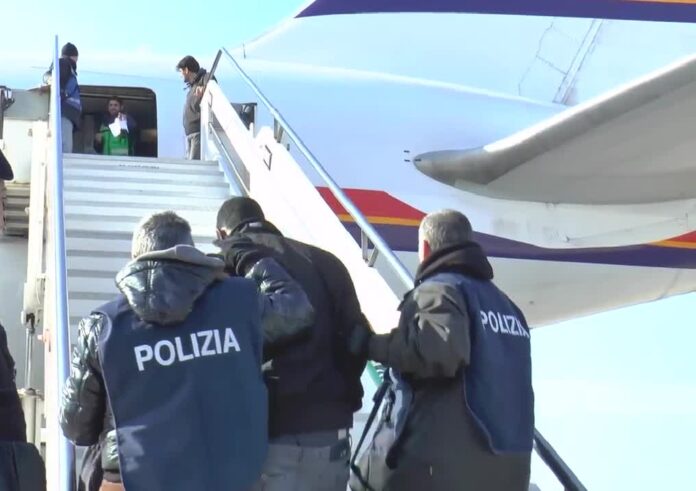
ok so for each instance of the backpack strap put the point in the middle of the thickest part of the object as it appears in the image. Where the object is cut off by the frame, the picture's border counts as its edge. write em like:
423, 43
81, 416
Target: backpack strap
377, 402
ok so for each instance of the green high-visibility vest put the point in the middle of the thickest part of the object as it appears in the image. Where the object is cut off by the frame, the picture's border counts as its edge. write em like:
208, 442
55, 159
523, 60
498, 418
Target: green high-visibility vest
116, 145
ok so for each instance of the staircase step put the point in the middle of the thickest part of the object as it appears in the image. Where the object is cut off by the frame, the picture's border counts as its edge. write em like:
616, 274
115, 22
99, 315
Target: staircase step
14, 214
101, 159
126, 225
162, 202
20, 191
81, 241
181, 188
90, 261
211, 168
151, 177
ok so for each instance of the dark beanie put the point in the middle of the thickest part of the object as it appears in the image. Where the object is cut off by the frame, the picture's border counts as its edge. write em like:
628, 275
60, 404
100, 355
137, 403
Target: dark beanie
239, 210
69, 50
6, 173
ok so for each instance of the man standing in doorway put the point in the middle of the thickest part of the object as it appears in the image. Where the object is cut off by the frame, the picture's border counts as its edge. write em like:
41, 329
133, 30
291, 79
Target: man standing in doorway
70, 103
124, 142
195, 78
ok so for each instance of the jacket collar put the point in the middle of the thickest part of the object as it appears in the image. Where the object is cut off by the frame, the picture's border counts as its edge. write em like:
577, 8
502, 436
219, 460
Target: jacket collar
467, 259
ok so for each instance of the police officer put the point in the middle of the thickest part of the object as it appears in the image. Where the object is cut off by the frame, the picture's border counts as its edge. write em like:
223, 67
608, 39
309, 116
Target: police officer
21, 466
314, 382
171, 369
70, 101
463, 406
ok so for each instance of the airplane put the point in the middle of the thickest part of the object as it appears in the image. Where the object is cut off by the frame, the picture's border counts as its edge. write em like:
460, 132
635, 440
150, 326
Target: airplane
550, 144
569, 153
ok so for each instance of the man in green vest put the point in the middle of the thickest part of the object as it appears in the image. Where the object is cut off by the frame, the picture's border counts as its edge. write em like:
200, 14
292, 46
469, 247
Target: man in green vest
116, 135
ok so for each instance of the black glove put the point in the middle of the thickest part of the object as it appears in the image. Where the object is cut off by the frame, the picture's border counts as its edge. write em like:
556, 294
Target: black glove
242, 254
359, 338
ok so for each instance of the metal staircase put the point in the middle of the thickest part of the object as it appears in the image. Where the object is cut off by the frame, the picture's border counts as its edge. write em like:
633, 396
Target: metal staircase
105, 197
15, 205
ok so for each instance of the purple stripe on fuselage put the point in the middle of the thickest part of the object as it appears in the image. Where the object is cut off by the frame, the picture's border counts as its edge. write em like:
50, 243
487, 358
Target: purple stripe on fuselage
601, 9
405, 239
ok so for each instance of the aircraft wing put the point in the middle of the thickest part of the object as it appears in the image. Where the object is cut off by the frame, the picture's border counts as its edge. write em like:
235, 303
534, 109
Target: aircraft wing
636, 144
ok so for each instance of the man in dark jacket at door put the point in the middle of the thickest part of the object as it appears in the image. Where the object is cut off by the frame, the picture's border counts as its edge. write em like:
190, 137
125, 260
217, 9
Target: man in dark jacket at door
167, 377
461, 352
195, 78
313, 382
70, 101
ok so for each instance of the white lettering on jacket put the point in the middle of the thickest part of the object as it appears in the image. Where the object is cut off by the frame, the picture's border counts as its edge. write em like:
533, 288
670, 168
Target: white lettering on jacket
167, 352
503, 324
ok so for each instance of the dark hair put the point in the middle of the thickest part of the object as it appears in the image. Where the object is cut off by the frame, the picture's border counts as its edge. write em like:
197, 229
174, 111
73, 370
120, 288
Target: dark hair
117, 99
188, 62
69, 50
238, 210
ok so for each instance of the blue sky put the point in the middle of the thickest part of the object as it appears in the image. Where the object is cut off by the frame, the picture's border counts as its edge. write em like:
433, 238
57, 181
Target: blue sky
616, 393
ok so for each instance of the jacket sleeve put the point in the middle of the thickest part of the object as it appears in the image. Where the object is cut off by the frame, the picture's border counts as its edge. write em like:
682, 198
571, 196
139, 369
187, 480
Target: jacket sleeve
83, 403
286, 312
343, 293
65, 73
434, 342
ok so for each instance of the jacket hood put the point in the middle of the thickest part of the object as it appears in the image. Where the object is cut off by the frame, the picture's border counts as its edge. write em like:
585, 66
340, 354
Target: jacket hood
162, 286
255, 226
467, 259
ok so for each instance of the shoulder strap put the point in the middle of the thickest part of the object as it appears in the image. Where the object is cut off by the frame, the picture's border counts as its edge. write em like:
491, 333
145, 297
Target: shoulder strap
377, 402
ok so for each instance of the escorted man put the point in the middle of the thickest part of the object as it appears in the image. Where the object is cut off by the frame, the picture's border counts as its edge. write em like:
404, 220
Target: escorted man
120, 141
314, 382
70, 102
195, 78
463, 407
174, 365
21, 466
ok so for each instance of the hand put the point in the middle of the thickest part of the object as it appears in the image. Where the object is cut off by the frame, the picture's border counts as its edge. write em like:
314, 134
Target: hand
242, 254
359, 338
198, 91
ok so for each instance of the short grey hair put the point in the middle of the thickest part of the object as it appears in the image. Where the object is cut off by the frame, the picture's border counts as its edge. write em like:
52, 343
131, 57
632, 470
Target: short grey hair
445, 228
160, 231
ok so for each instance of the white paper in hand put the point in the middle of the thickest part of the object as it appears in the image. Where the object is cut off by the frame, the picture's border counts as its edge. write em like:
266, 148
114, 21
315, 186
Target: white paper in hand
115, 128
120, 124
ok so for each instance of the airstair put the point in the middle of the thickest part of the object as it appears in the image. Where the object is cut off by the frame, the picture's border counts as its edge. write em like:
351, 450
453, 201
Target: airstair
104, 200
84, 209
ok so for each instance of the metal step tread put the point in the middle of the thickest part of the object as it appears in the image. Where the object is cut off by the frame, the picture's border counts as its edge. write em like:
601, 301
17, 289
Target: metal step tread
179, 169
69, 159
17, 192
149, 177
15, 213
123, 190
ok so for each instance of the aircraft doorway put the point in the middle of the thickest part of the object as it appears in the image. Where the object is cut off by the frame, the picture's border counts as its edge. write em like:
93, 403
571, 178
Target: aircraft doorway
139, 103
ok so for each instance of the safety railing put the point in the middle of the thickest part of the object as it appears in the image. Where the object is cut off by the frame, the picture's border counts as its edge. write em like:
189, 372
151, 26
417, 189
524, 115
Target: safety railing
61, 325
367, 231
369, 235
